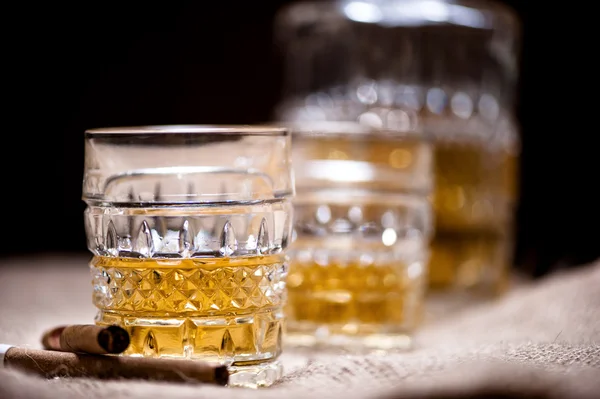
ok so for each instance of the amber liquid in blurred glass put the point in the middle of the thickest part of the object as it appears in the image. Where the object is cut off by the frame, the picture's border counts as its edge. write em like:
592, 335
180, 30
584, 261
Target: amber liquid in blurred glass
352, 298
222, 310
474, 195
351, 279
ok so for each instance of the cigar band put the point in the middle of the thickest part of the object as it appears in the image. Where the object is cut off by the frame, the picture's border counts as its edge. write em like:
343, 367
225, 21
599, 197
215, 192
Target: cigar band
3, 349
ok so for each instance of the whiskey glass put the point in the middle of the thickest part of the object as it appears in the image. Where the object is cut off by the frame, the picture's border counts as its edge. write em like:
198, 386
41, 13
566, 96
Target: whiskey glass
188, 227
452, 65
361, 236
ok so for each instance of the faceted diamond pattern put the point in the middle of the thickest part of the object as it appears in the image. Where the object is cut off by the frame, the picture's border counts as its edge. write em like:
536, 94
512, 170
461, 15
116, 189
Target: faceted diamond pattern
225, 289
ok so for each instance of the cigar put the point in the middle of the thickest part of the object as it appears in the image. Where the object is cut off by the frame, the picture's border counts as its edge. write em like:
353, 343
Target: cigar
86, 338
50, 364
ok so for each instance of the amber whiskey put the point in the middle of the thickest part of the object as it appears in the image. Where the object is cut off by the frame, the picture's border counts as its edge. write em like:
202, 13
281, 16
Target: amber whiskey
355, 299
473, 202
225, 310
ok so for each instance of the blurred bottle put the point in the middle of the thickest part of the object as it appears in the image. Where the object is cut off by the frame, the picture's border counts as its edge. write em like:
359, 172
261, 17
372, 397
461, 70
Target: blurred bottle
449, 67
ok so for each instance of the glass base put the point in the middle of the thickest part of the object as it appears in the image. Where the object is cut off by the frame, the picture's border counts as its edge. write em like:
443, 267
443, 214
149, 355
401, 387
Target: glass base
255, 375
347, 338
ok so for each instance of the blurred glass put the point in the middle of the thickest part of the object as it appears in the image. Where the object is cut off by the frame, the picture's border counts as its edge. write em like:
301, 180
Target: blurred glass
362, 227
447, 67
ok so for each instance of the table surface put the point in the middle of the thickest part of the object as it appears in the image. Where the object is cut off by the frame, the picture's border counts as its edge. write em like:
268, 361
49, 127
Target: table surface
542, 337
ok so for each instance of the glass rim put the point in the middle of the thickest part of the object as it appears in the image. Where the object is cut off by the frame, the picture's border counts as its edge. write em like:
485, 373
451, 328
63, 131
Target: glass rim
311, 128
495, 14
235, 130
347, 129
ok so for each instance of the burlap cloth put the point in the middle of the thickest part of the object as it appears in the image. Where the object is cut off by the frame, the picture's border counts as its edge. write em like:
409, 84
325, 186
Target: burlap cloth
541, 340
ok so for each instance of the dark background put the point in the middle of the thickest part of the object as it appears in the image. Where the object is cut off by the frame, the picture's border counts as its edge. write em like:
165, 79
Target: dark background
73, 67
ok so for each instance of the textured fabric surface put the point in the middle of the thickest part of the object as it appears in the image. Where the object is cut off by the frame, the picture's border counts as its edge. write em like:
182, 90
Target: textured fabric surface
541, 340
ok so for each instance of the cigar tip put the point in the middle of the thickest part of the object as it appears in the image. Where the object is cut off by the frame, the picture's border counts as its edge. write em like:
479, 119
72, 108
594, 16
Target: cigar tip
222, 375
51, 338
113, 339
